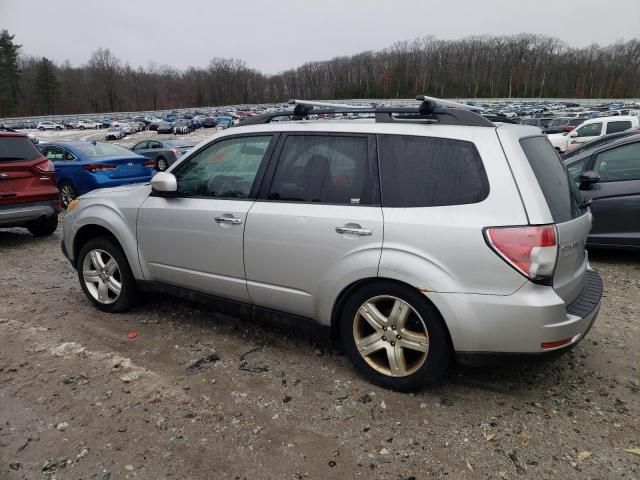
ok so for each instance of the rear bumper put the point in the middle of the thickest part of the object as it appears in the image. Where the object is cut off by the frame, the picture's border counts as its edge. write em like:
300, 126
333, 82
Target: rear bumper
518, 324
22, 214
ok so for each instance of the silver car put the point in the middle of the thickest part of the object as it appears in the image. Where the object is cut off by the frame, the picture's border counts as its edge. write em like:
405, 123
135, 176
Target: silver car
414, 239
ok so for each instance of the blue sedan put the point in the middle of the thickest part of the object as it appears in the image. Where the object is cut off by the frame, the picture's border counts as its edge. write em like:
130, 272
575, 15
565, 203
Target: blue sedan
85, 166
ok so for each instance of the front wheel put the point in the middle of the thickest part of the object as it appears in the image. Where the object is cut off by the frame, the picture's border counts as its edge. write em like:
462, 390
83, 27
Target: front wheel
394, 336
105, 275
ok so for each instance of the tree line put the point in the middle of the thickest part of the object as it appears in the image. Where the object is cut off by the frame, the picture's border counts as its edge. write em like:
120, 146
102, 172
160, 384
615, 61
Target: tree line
523, 65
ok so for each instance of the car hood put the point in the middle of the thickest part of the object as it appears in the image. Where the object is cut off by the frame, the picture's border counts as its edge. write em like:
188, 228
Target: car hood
121, 191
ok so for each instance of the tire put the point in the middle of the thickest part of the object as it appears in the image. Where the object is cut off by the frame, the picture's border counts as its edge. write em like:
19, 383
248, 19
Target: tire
82, 127
419, 344
67, 193
58, 128
41, 129
161, 164
43, 227
107, 250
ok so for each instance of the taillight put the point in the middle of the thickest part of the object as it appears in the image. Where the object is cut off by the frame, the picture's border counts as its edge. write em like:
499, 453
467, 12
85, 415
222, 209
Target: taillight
45, 167
531, 250
568, 128
149, 164
97, 167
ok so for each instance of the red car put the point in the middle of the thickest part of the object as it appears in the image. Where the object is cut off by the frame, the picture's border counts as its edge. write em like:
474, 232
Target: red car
28, 194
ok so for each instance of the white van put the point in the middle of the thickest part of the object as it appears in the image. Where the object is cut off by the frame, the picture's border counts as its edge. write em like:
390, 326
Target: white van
594, 128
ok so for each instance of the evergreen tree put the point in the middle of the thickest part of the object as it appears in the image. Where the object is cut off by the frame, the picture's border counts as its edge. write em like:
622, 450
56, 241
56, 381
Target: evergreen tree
46, 85
9, 74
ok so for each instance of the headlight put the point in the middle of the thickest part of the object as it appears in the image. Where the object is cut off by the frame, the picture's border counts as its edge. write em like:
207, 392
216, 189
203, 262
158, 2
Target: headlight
73, 204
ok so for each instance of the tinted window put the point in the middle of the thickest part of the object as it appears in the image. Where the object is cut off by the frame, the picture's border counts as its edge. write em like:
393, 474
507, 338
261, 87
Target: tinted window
613, 127
619, 164
226, 169
17, 148
326, 169
561, 194
430, 172
530, 121
590, 130
575, 169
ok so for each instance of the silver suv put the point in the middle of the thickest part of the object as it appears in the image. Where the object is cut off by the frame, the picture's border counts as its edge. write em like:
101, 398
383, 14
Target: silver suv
418, 236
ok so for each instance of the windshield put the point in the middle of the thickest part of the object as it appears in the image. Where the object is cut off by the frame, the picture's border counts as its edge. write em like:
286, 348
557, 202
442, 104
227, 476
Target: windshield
558, 122
102, 150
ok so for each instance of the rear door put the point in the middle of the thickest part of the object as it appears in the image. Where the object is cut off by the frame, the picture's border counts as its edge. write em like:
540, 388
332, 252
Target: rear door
616, 197
317, 223
572, 219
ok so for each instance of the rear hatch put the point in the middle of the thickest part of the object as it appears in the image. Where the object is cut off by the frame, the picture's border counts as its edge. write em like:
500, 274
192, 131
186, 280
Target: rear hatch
25, 175
571, 216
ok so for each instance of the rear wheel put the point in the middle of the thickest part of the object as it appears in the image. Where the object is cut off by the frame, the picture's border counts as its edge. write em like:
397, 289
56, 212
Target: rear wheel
67, 194
45, 226
161, 164
105, 275
394, 336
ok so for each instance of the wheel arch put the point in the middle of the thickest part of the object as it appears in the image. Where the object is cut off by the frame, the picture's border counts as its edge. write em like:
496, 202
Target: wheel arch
352, 287
103, 222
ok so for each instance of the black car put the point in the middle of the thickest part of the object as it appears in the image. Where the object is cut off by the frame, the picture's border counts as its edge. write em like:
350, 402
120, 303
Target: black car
609, 176
598, 142
165, 127
209, 122
537, 122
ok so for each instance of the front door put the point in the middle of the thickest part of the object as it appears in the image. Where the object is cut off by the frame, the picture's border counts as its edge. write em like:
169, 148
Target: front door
317, 224
195, 239
616, 197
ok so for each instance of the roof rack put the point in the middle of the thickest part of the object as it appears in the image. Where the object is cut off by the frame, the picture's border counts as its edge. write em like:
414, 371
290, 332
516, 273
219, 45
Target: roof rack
431, 110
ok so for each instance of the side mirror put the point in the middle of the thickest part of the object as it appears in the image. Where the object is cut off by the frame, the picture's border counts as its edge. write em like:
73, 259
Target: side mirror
164, 184
573, 134
587, 179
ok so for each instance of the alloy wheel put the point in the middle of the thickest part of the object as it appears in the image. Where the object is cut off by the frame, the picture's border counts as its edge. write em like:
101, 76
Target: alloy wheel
391, 336
102, 276
67, 194
162, 165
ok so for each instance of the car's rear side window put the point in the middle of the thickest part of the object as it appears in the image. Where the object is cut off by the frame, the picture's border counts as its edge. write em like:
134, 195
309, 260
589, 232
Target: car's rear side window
323, 169
618, 126
14, 149
430, 172
562, 196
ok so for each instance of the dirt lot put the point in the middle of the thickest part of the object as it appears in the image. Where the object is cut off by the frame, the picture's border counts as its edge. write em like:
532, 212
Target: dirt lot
80, 400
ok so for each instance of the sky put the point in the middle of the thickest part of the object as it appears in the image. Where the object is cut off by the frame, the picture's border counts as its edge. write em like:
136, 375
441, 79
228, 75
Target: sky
275, 35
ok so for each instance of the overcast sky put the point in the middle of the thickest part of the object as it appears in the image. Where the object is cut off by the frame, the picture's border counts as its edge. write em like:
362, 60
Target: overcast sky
274, 35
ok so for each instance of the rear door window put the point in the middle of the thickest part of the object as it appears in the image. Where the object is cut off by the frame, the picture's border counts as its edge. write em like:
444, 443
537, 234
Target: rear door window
618, 126
562, 195
430, 172
14, 149
323, 169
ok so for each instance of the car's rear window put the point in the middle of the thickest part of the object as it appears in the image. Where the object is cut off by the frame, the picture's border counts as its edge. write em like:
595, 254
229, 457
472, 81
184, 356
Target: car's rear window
430, 172
14, 149
562, 196
102, 150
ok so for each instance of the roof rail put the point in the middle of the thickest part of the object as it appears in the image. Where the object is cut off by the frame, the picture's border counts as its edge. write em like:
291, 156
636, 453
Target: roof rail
431, 110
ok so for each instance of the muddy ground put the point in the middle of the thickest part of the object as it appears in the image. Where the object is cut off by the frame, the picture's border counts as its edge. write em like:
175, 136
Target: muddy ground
79, 399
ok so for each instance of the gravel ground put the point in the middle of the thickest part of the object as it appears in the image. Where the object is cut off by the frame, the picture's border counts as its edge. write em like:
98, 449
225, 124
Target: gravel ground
80, 399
